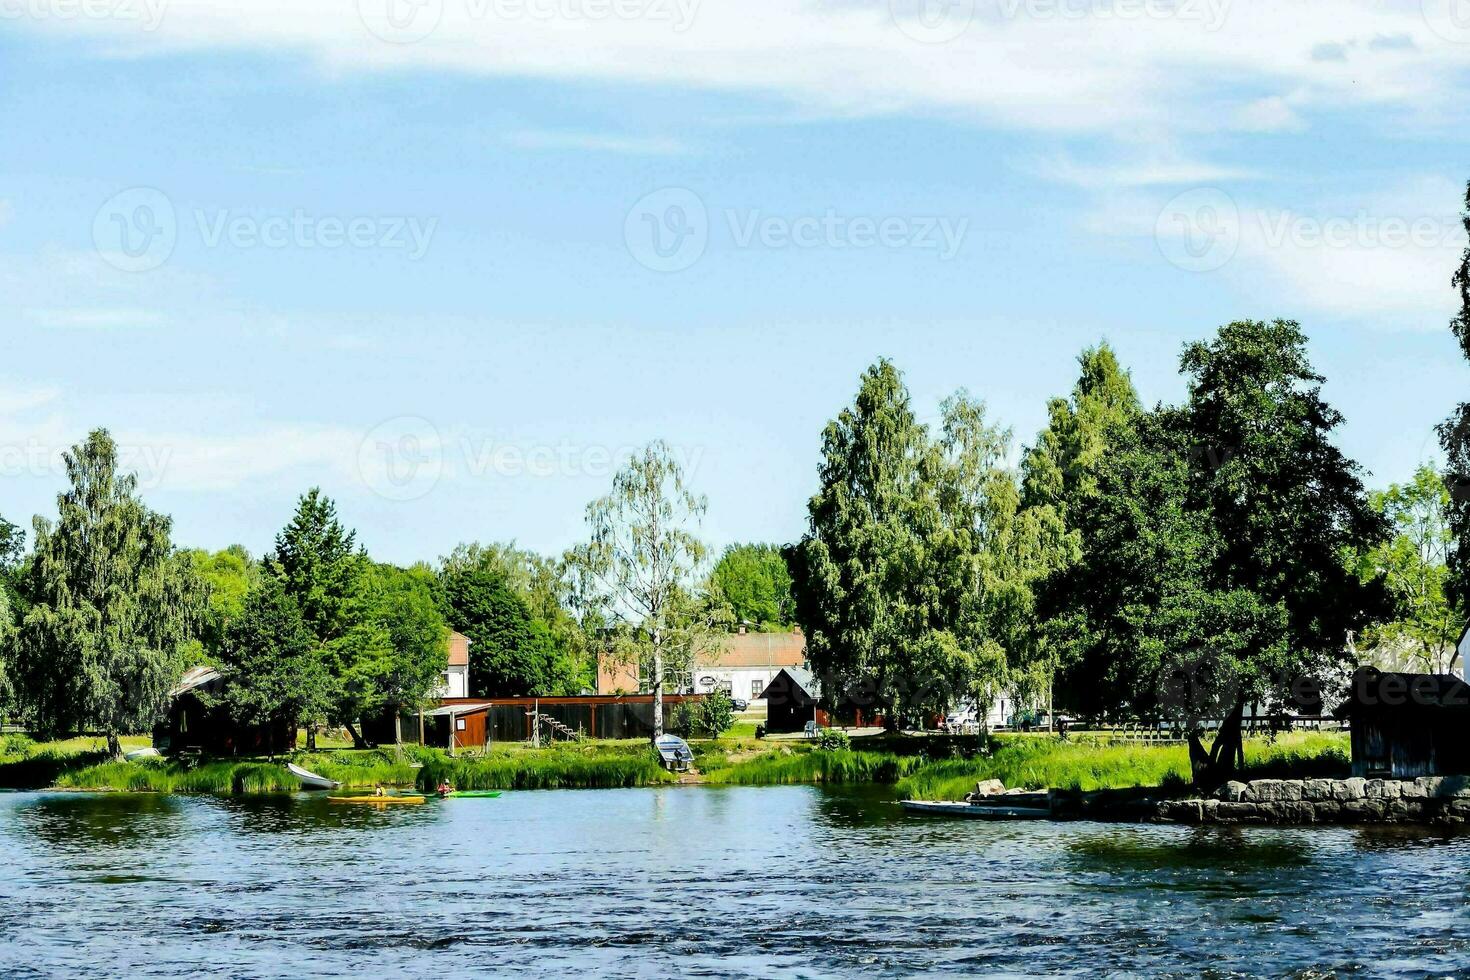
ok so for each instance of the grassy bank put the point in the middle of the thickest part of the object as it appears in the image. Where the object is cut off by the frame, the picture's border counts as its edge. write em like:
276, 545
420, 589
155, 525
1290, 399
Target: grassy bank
751, 763
581, 765
1084, 764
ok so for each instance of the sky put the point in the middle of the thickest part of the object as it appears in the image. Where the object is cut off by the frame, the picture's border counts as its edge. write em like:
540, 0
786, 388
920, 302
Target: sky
450, 260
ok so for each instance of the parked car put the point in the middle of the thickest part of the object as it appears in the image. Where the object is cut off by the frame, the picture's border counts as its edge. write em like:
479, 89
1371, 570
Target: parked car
740, 704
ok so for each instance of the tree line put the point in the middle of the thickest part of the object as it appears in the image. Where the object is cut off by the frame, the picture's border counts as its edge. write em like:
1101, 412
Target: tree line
101, 617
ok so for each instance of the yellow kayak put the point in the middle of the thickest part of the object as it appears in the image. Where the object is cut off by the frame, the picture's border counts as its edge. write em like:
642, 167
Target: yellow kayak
375, 799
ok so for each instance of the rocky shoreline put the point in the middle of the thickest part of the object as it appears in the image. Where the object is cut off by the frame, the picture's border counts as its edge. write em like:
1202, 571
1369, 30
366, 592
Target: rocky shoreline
1282, 802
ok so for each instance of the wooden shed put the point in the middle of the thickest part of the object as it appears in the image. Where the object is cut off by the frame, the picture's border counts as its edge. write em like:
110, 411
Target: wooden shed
193, 724
1408, 725
472, 723
793, 698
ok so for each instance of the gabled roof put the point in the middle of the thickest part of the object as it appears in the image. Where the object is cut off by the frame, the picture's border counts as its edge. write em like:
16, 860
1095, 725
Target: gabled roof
1377, 690
459, 649
797, 678
195, 677
752, 650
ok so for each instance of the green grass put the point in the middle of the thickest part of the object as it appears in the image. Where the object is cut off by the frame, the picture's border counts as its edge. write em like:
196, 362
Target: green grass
1088, 764
749, 763
582, 765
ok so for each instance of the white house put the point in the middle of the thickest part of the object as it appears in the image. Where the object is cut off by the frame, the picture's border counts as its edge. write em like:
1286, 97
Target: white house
744, 664
457, 676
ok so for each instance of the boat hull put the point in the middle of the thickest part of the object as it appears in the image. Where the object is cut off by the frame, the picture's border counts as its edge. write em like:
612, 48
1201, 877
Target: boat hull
376, 800
309, 779
472, 794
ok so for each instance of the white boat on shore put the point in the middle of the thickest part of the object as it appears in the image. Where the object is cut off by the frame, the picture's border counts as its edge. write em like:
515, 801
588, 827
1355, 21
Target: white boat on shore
976, 811
309, 779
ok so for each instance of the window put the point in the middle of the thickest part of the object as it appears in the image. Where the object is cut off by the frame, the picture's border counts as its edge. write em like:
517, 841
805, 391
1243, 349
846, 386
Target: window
459, 724
756, 687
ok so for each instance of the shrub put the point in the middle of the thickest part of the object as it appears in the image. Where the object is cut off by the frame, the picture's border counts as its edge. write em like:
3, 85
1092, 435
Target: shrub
719, 714
833, 740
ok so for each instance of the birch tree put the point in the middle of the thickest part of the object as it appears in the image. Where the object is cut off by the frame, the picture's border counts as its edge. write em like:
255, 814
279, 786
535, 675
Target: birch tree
642, 564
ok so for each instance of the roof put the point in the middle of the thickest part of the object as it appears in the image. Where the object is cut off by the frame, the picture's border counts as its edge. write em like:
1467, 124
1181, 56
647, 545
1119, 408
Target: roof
457, 709
753, 650
800, 677
193, 678
459, 649
1377, 690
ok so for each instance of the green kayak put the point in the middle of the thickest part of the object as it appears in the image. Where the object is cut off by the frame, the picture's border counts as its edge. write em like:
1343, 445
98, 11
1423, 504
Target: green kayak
475, 794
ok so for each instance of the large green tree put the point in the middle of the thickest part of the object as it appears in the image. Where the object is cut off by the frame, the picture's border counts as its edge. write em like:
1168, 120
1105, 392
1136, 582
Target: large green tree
755, 583
543, 585
641, 566
513, 651
318, 563
113, 605
1454, 436
231, 575
272, 662
1412, 565
1215, 564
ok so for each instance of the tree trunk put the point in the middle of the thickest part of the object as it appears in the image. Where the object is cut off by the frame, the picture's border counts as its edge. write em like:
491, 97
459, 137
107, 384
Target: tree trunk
358, 742
114, 746
311, 738
1225, 757
658, 685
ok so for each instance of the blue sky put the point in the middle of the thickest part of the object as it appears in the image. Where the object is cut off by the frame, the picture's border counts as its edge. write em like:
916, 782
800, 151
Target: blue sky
278, 245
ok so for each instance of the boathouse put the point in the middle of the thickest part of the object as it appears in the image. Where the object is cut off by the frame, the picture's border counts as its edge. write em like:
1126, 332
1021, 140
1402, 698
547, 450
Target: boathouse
195, 722
473, 723
1408, 725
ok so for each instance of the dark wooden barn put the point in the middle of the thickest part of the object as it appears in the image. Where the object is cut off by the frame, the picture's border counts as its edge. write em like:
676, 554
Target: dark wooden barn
193, 724
793, 698
1408, 725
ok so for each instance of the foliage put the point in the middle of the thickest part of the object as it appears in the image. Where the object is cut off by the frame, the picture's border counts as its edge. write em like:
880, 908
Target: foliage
231, 574
543, 585
271, 663
1412, 565
1034, 762
1454, 437
834, 740
640, 567
114, 605
319, 565
514, 652
754, 581
1213, 568
395, 649
568, 765
789, 765
914, 579
717, 713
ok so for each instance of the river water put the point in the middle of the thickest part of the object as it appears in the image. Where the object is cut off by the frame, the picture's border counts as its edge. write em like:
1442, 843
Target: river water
696, 881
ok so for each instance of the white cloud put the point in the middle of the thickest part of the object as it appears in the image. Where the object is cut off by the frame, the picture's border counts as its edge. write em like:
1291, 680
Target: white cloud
1152, 172
13, 401
597, 143
1053, 66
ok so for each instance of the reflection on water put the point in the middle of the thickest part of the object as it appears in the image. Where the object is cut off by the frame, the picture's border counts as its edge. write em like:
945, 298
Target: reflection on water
703, 882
